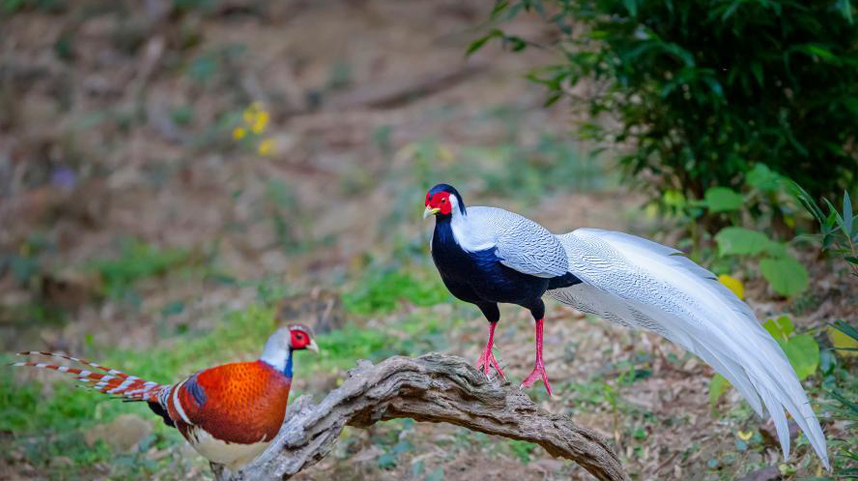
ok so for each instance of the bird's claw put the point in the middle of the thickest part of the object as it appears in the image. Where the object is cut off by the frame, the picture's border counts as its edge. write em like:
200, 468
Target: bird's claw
538, 371
487, 361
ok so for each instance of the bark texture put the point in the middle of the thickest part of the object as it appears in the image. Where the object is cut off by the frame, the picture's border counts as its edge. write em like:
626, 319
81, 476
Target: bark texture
432, 388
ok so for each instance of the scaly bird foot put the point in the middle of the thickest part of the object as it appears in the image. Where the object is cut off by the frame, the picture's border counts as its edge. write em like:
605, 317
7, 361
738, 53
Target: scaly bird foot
487, 361
538, 371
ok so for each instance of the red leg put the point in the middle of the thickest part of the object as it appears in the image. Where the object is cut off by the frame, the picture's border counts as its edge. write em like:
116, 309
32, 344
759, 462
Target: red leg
487, 360
539, 367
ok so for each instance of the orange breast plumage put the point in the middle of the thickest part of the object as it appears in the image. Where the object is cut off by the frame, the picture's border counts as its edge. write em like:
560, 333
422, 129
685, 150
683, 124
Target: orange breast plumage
241, 403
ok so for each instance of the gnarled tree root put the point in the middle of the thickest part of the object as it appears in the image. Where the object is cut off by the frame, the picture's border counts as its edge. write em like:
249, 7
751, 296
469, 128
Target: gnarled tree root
433, 388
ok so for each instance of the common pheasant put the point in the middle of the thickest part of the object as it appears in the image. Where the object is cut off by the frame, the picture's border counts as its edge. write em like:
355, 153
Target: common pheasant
228, 413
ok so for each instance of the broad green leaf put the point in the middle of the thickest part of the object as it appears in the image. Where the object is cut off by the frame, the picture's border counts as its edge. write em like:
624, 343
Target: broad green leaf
776, 249
718, 385
803, 353
762, 178
741, 241
674, 198
780, 328
733, 284
723, 199
786, 275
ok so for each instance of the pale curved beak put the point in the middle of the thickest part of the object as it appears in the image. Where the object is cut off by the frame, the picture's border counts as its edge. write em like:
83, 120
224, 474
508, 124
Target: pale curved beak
313, 346
430, 211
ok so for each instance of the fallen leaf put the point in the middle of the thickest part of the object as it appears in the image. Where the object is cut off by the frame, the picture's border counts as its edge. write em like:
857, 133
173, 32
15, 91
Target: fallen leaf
840, 340
733, 284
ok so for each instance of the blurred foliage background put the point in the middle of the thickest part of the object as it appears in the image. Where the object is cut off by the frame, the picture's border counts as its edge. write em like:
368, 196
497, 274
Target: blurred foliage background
179, 177
702, 92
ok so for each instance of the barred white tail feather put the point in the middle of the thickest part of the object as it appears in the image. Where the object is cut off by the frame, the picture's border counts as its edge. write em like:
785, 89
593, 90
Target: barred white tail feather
111, 381
640, 283
68, 358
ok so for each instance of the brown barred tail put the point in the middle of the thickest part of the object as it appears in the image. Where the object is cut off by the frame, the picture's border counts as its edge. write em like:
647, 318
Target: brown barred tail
110, 381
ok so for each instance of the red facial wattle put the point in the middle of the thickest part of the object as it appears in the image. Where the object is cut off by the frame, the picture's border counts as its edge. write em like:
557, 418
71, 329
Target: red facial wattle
440, 201
300, 339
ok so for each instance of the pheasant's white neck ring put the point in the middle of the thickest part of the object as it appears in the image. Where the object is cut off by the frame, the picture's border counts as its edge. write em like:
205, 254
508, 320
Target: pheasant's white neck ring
278, 354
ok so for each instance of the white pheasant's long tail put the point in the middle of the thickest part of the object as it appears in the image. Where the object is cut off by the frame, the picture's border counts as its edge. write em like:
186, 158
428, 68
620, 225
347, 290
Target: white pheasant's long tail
108, 381
642, 284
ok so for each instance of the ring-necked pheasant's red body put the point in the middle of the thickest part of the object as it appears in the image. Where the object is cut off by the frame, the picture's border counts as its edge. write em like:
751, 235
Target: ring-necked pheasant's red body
228, 413
239, 403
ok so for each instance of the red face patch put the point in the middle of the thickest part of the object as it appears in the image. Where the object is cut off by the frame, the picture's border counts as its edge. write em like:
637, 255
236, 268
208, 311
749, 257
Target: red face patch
300, 339
441, 201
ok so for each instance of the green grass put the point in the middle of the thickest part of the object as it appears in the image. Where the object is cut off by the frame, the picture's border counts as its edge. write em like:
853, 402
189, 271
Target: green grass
381, 291
136, 260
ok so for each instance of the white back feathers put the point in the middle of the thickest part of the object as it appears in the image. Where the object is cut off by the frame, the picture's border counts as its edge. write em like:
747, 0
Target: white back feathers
521, 244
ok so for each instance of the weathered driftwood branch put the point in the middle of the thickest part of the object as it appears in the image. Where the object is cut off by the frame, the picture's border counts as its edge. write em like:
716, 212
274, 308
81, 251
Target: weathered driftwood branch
434, 388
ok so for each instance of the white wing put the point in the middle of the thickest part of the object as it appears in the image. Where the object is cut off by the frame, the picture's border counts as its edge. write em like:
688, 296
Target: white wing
639, 283
520, 243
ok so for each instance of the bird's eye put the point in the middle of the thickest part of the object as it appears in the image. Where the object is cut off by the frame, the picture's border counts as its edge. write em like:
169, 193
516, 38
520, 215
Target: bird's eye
299, 337
443, 200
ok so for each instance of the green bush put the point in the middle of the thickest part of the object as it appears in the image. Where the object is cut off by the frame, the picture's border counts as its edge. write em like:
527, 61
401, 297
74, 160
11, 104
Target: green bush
701, 91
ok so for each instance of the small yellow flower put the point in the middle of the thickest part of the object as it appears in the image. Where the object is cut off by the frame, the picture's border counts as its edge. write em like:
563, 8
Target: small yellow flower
266, 147
733, 284
744, 435
250, 113
260, 122
238, 133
